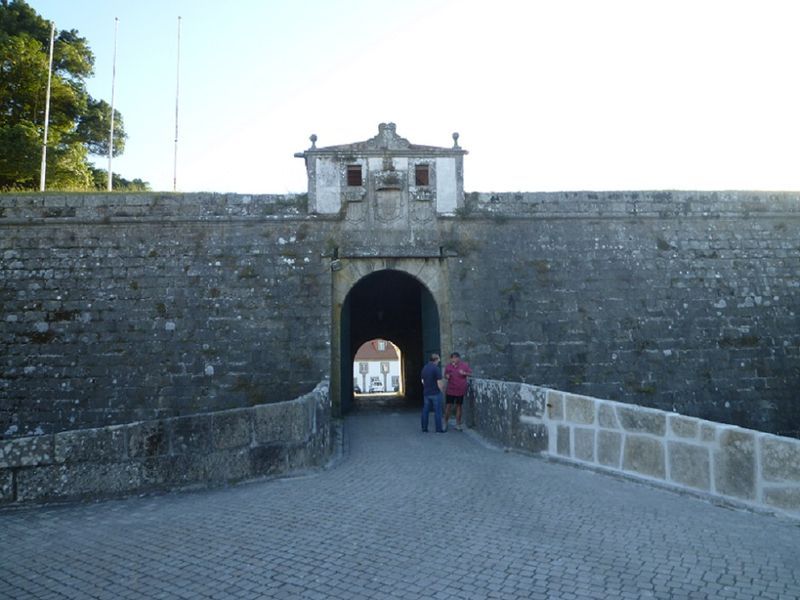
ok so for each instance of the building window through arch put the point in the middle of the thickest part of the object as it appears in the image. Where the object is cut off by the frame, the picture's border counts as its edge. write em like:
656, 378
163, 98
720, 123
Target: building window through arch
377, 368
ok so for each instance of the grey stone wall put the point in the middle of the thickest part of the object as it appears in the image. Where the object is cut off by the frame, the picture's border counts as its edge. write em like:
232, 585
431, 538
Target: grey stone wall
676, 300
202, 449
742, 466
120, 308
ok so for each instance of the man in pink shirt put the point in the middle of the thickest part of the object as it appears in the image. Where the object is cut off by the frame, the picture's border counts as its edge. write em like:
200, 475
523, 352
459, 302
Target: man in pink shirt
456, 373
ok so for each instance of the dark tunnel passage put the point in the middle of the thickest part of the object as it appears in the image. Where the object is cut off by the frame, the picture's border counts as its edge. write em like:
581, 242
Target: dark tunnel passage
390, 305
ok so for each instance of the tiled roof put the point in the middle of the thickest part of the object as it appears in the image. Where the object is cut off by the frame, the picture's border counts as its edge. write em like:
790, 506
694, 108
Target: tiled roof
369, 351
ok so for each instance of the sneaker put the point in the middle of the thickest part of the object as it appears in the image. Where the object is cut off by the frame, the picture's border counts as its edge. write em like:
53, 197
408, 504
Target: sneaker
458, 427
444, 427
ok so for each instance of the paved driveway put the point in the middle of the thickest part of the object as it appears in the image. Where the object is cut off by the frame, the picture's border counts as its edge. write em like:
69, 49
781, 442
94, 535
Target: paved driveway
404, 515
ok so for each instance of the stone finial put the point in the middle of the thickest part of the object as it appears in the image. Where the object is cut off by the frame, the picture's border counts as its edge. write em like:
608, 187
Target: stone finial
455, 140
387, 132
313, 139
390, 127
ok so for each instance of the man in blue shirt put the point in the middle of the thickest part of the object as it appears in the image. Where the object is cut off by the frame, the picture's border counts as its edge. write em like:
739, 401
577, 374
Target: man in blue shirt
432, 393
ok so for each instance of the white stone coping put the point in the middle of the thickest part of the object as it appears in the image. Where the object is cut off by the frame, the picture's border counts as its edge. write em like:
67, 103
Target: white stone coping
742, 466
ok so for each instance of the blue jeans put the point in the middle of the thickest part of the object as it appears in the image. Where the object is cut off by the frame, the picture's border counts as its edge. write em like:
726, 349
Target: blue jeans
434, 401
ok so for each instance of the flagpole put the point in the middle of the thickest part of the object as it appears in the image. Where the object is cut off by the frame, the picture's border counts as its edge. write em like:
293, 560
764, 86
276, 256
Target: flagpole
47, 107
177, 89
111, 129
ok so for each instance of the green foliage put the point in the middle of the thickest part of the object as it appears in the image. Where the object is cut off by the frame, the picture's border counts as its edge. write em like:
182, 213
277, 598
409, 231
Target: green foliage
79, 124
119, 183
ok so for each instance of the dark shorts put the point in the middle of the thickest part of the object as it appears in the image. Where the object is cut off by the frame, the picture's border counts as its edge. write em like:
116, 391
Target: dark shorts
457, 400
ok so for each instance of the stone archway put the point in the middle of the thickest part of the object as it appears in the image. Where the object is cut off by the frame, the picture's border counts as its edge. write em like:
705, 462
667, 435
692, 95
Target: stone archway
404, 300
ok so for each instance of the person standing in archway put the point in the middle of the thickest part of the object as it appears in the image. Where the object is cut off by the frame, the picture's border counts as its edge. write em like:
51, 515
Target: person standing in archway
456, 373
432, 381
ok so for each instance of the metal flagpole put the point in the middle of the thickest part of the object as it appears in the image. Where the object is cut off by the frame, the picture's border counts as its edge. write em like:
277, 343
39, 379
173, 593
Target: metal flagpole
177, 89
111, 129
47, 107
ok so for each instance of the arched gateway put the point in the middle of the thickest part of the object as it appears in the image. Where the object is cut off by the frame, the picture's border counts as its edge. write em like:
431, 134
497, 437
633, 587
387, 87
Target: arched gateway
389, 271
403, 300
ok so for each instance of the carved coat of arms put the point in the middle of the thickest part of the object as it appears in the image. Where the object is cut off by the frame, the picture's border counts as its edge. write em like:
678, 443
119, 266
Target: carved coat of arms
388, 205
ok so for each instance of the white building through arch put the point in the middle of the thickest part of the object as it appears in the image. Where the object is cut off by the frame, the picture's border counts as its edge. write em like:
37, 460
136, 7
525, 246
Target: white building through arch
376, 368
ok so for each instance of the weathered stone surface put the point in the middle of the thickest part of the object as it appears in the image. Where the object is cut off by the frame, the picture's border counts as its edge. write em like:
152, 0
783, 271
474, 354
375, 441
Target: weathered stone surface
232, 428
171, 453
529, 436
216, 313
579, 409
584, 444
286, 422
641, 420
532, 401
708, 433
191, 435
606, 417
106, 445
609, 448
79, 480
683, 427
6, 486
780, 459
173, 471
225, 300
563, 441
147, 439
735, 464
689, 465
228, 465
555, 405
644, 455
787, 498
26, 452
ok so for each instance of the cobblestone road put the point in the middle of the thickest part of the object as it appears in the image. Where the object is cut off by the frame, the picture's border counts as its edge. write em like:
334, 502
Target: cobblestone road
404, 515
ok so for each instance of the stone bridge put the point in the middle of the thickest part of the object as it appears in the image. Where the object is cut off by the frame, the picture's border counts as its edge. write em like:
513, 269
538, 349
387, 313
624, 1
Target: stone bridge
743, 467
402, 514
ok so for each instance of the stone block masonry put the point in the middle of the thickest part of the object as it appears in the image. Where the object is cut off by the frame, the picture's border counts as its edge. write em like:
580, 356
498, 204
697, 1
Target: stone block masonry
198, 450
117, 308
122, 308
742, 466
681, 301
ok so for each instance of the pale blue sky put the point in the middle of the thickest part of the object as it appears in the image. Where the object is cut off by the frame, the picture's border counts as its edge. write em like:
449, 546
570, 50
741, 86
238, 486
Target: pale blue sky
546, 95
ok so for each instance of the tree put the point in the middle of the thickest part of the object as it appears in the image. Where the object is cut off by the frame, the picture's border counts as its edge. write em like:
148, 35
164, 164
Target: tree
79, 124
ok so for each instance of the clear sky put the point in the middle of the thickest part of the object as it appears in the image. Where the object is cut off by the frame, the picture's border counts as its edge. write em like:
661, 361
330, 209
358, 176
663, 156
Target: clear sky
546, 95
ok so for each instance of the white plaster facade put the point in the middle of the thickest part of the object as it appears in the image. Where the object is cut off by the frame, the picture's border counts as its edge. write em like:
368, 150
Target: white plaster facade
389, 192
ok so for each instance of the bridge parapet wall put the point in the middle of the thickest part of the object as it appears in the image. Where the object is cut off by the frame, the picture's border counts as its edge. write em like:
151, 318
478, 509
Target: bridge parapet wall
199, 450
739, 465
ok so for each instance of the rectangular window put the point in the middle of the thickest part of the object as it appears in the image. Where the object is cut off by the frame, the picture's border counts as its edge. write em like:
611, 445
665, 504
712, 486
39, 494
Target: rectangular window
354, 176
422, 175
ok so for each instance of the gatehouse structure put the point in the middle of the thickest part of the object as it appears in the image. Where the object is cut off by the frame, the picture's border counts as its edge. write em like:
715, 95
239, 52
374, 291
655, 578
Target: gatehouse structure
144, 335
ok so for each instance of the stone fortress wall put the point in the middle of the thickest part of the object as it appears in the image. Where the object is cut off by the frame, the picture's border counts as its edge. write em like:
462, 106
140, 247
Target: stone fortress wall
686, 301
119, 309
